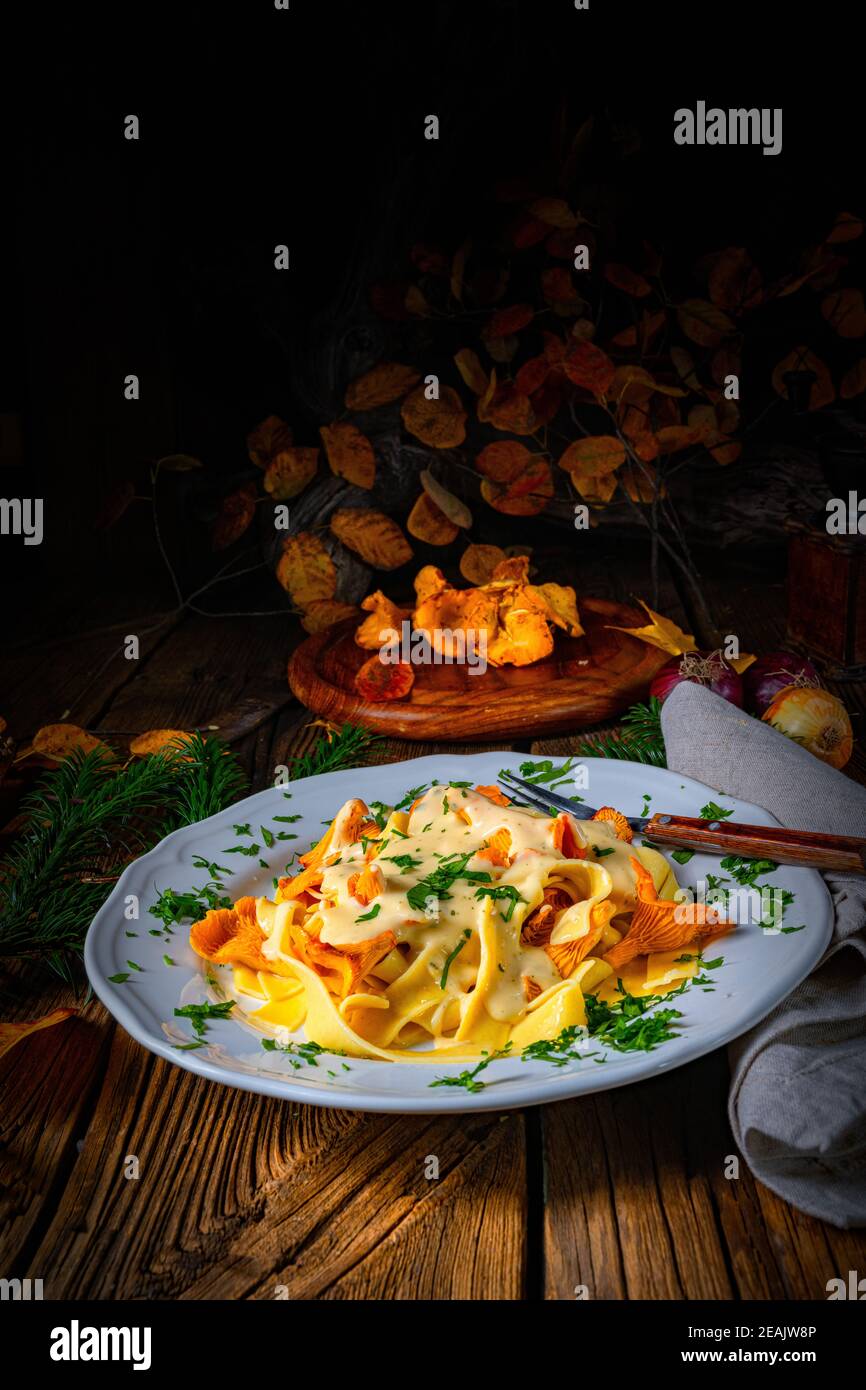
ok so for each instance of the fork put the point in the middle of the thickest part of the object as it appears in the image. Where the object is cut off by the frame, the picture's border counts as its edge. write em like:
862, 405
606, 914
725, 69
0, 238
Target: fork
843, 853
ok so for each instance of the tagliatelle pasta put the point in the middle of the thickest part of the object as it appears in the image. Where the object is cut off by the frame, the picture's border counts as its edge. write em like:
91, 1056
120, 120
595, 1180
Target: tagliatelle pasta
453, 929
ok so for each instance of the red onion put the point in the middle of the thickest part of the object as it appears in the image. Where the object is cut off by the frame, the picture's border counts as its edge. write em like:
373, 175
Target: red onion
709, 669
771, 673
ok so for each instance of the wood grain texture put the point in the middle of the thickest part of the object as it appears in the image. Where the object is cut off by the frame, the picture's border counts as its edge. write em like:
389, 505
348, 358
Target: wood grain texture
587, 679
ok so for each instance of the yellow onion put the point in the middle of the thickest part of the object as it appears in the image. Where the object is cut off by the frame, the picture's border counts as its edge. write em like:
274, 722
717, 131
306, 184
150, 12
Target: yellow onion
815, 719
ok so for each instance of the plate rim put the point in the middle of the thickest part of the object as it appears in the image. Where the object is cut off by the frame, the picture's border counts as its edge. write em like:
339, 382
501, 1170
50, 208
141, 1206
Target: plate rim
561, 1086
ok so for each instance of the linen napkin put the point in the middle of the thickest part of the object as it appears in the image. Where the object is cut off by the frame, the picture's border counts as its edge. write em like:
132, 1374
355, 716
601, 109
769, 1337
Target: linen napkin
797, 1102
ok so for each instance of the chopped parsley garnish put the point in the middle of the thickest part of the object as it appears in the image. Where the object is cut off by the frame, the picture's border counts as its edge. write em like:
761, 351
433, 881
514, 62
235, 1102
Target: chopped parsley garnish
713, 811
267, 836
544, 772
746, 871
167, 960
198, 1014
199, 862
380, 812
412, 795
682, 856
289, 820
119, 979
248, 850
405, 862
443, 979
502, 891
568, 1046
469, 1079
368, 916
299, 1053
460, 784
133, 966
628, 1025
600, 853
647, 798
245, 829
443, 877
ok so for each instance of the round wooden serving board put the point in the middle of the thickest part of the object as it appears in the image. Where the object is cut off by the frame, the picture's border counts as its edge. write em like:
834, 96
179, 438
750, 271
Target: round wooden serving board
587, 679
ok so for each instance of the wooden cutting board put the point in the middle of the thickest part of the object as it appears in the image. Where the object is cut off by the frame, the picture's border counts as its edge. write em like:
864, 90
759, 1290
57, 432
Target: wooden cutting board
585, 681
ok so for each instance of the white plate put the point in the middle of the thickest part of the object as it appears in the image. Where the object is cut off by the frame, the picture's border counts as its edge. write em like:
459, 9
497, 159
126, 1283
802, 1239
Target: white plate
759, 969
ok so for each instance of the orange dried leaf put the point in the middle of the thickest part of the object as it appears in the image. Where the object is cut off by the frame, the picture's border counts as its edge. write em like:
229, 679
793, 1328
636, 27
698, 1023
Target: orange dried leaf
470, 368
156, 739
593, 457
59, 740
847, 227
586, 365
705, 323
555, 212
306, 570
662, 633
349, 453
372, 535
439, 423
629, 281
455, 510
734, 281
509, 320
558, 288
427, 523
672, 438
507, 409
382, 384
234, 516
525, 495
12, 1033
844, 311
289, 471
478, 562
854, 380
560, 606
379, 680
267, 440
503, 460
597, 489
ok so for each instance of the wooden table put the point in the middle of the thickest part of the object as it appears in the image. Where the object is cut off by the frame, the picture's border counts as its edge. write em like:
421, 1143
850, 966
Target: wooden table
623, 1192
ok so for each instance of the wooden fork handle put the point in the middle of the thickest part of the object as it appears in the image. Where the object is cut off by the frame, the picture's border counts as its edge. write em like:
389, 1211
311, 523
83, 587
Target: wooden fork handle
844, 853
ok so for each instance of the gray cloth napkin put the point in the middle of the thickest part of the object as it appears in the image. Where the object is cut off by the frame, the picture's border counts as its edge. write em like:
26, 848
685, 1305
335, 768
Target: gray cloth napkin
797, 1103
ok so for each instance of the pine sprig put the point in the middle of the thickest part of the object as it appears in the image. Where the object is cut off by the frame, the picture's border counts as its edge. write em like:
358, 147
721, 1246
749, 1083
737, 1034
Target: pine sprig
347, 747
641, 740
86, 820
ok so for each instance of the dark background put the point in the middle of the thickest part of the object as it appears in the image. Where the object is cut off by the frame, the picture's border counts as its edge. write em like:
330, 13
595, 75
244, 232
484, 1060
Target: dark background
260, 127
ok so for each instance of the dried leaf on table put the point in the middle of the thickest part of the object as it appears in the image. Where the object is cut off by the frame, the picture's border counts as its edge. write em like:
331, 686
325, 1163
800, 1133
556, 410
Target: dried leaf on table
235, 514
289, 471
588, 366
627, 280
12, 1033
439, 423
267, 440
735, 281
372, 535
704, 323
306, 570
383, 384
661, 632
428, 523
593, 457
509, 320
350, 454
478, 562
155, 740
523, 490
470, 368
323, 613
59, 740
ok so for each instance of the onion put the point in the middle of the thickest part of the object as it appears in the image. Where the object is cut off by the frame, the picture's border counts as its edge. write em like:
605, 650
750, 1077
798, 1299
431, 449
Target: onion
771, 673
816, 719
702, 668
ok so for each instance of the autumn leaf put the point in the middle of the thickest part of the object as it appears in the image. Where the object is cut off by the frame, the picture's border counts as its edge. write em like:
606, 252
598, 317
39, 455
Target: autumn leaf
586, 365
597, 489
734, 281
547, 400
555, 212
672, 438
478, 562
470, 368
440, 423
503, 349
455, 510
509, 320
181, 463
372, 535
155, 740
58, 741
323, 613
847, 227
426, 522
593, 457
822, 391
234, 516
267, 440
641, 483
726, 362
306, 570
503, 460
854, 380
289, 471
12, 1033
629, 281
350, 454
723, 449
844, 311
706, 324
509, 410
662, 633
383, 384
532, 375
525, 495
559, 291
640, 334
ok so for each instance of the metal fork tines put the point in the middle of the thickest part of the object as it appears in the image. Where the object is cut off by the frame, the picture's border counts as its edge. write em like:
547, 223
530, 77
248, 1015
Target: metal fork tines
541, 799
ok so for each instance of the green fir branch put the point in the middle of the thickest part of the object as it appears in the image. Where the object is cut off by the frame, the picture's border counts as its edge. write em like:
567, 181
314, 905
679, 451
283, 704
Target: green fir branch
641, 740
